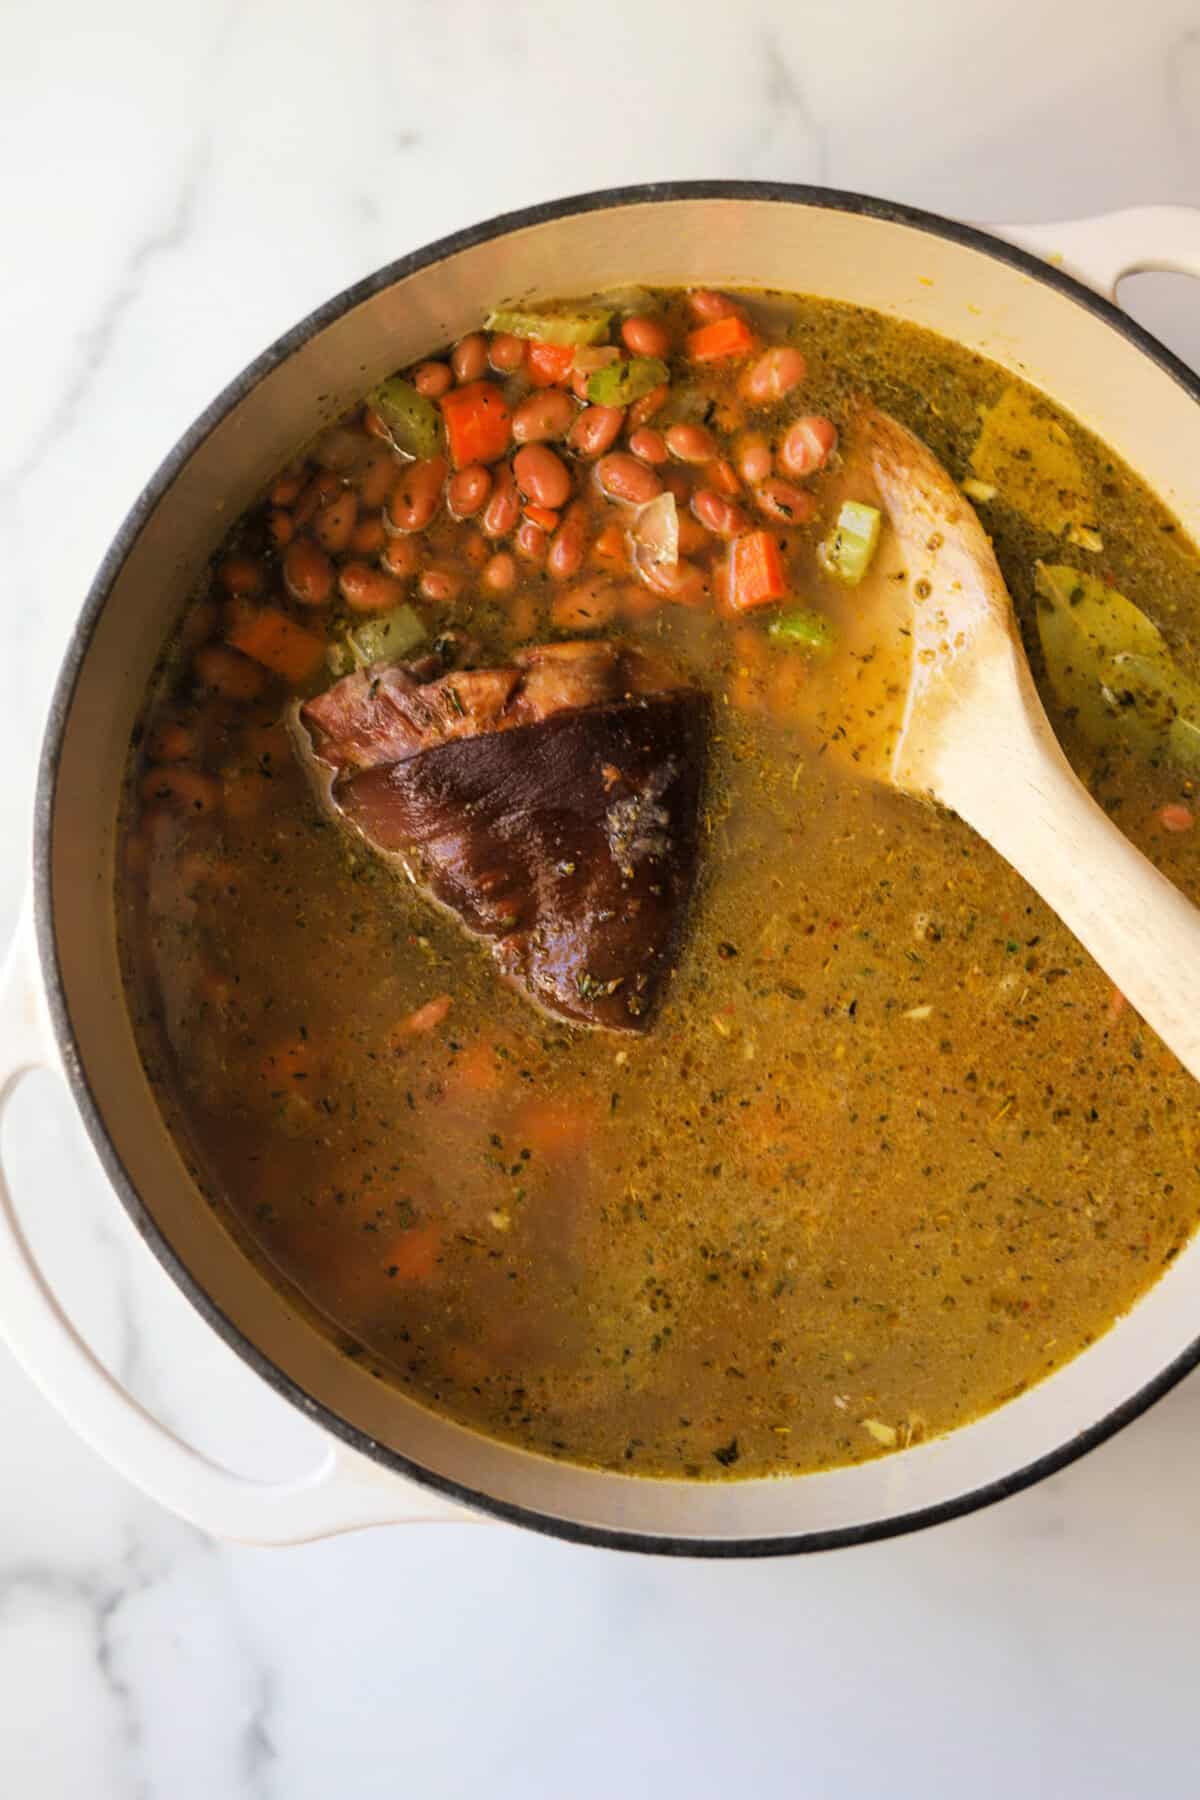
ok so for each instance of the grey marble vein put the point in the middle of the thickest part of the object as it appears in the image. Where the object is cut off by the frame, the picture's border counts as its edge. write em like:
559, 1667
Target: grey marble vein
165, 236
788, 119
100, 1598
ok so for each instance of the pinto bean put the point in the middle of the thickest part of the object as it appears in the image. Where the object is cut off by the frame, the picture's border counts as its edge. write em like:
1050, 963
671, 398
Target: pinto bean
648, 445
368, 537
545, 414
416, 496
691, 443
182, 790
717, 514
644, 336
171, 741
469, 358
440, 585
241, 575
377, 476
542, 476
468, 489
500, 574
684, 582
754, 458
228, 673
504, 508
723, 476
585, 607
401, 556
324, 487
281, 527
333, 526
505, 352
565, 558
807, 445
773, 375
532, 542
433, 379
307, 572
780, 500
692, 536
705, 305
286, 488
596, 430
648, 405
368, 590
623, 477
477, 550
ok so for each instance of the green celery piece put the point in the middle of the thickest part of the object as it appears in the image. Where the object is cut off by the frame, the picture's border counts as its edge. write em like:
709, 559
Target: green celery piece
411, 418
807, 630
387, 635
1109, 665
551, 328
620, 384
846, 554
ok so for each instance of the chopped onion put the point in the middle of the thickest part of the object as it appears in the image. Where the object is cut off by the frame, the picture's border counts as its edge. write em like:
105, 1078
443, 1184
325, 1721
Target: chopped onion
590, 357
654, 531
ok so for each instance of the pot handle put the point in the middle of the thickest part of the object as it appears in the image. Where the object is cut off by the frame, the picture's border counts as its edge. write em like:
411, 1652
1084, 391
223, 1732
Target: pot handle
343, 1492
1101, 251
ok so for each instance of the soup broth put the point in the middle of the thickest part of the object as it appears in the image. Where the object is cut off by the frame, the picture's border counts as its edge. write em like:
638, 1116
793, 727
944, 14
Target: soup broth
888, 1148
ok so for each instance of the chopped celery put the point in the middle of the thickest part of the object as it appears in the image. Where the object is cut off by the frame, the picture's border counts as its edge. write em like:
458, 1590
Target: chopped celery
1109, 665
808, 630
846, 554
551, 328
620, 384
379, 639
411, 418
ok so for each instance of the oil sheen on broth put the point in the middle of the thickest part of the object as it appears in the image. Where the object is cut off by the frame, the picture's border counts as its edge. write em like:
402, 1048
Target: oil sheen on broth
892, 1149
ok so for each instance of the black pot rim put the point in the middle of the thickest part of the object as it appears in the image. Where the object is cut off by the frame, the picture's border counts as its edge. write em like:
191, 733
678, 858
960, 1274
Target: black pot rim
829, 199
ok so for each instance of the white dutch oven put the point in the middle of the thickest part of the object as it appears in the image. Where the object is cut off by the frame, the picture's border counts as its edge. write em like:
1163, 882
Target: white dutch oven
388, 1459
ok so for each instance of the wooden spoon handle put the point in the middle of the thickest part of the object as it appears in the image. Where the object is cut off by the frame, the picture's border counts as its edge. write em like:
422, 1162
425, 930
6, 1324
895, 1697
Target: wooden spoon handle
1022, 795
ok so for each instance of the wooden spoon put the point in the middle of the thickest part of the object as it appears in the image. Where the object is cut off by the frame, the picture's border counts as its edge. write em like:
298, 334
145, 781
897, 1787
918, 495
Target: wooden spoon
973, 736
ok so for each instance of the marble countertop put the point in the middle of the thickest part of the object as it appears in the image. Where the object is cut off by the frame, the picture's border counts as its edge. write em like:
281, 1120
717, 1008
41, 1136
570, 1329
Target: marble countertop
178, 185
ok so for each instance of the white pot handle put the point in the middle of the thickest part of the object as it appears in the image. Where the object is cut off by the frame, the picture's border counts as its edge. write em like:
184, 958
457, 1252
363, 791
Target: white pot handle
342, 1493
1101, 251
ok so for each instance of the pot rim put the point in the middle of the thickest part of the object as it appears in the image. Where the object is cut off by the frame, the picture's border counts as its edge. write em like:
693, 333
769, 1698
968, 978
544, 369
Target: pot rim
605, 199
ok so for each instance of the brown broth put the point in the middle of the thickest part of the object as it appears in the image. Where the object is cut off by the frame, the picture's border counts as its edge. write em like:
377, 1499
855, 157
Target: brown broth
891, 1152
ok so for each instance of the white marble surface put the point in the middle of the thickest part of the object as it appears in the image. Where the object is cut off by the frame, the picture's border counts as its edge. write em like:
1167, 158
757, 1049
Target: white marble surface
177, 185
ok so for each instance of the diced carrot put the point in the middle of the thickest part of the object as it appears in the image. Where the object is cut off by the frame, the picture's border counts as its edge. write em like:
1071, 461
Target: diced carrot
730, 336
426, 1018
549, 365
412, 1255
553, 1128
543, 516
277, 642
478, 423
756, 571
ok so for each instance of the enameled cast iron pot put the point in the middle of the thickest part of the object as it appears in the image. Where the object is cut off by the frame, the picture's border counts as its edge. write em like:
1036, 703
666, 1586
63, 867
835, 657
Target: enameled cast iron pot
388, 1459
